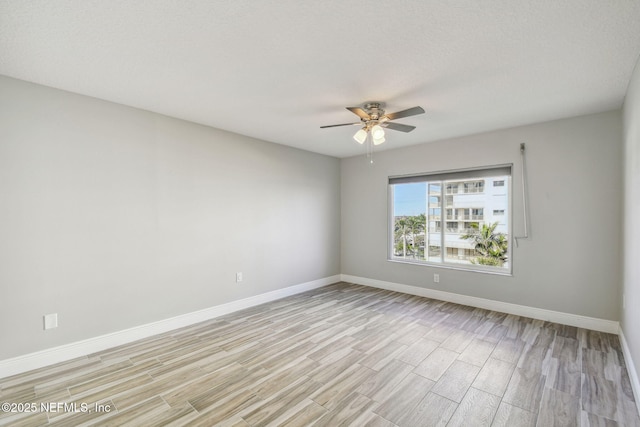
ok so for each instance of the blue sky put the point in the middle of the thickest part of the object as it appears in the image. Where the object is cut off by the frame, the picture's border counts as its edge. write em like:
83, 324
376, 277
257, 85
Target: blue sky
410, 199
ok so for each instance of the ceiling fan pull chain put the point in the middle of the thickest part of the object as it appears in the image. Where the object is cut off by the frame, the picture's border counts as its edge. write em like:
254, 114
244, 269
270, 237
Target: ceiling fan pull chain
370, 149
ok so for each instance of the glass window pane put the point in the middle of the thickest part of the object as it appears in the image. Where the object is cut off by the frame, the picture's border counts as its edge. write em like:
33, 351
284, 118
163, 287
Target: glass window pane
410, 220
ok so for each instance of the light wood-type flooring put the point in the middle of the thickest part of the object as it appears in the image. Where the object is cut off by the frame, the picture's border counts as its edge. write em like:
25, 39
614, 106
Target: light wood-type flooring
342, 355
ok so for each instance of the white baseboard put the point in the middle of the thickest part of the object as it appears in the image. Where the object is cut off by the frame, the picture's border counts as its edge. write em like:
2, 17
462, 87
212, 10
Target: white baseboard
592, 323
70, 351
631, 368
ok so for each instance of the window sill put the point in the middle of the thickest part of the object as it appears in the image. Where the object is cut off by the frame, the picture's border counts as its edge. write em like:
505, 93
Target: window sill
454, 267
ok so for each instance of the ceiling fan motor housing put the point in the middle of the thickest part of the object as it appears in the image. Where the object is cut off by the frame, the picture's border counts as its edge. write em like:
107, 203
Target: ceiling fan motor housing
374, 109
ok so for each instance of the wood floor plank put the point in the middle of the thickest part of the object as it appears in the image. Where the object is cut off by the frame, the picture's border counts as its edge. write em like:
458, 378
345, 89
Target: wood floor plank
433, 410
515, 325
307, 414
380, 385
565, 376
75, 379
440, 333
559, 409
409, 335
379, 356
225, 409
458, 340
344, 355
491, 331
525, 389
279, 380
331, 369
60, 371
240, 381
535, 358
624, 384
270, 410
374, 420
146, 391
25, 420
455, 382
99, 380
477, 352
171, 417
566, 350
146, 410
627, 413
349, 408
331, 346
434, 365
599, 396
592, 420
494, 376
508, 349
512, 416
404, 398
295, 352
418, 351
108, 392
476, 409
334, 391
185, 392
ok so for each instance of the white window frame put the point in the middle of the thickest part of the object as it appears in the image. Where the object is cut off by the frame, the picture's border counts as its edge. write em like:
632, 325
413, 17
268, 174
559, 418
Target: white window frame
484, 172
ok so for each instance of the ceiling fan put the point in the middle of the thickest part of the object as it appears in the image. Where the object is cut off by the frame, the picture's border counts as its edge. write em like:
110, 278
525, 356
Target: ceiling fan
374, 120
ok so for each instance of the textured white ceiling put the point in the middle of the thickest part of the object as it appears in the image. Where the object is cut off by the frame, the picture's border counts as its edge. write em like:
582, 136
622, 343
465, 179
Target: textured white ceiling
277, 70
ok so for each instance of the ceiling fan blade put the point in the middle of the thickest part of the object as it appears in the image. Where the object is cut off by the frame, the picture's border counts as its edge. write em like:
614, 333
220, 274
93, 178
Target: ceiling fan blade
397, 126
359, 112
343, 124
405, 113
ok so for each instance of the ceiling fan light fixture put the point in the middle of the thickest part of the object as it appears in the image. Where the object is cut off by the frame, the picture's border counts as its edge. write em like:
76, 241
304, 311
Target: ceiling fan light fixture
372, 116
360, 136
377, 132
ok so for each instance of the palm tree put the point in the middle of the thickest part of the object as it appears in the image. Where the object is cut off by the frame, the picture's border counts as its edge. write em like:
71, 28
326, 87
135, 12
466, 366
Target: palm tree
491, 246
402, 230
417, 224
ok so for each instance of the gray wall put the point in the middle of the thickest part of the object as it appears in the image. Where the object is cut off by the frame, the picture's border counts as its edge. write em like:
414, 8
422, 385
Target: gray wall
572, 261
114, 217
630, 318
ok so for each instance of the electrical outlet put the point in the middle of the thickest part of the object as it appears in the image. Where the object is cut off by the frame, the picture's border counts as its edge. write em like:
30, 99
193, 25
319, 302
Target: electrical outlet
50, 321
238, 277
436, 278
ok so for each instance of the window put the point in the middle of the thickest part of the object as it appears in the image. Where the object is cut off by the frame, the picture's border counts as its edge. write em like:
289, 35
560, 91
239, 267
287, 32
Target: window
471, 231
452, 226
473, 187
449, 200
477, 213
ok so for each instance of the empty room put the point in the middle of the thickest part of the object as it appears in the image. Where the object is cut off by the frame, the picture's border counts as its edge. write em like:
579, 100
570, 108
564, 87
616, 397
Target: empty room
279, 213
